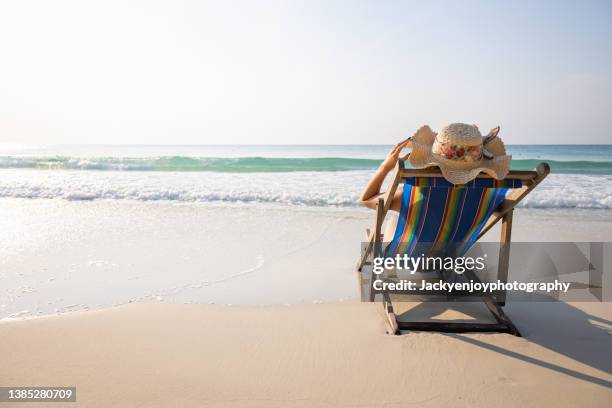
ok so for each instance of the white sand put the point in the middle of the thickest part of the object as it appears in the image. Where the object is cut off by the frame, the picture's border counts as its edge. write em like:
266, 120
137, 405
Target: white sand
58, 255
329, 355
63, 255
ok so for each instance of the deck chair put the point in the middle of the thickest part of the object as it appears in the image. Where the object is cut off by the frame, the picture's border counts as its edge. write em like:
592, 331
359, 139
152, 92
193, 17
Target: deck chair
437, 213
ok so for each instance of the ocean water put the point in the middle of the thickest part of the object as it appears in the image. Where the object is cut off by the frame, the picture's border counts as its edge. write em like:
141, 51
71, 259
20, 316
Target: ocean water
302, 175
87, 227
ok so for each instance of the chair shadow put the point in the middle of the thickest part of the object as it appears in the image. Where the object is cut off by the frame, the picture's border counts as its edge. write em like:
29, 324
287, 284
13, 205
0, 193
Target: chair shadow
555, 325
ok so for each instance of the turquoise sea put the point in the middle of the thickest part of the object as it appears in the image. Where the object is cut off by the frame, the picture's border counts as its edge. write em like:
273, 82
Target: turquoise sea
310, 175
573, 159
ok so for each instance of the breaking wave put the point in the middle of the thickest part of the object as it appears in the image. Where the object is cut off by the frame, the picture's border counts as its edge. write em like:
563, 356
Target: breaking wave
256, 164
318, 189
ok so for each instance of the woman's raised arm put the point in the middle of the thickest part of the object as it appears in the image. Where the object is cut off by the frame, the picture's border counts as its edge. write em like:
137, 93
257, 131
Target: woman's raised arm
371, 193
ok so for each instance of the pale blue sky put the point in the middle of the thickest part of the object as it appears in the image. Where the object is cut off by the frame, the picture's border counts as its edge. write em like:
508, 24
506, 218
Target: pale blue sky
302, 71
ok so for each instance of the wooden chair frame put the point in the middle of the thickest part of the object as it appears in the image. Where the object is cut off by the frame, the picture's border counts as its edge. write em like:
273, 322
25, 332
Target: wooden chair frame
503, 213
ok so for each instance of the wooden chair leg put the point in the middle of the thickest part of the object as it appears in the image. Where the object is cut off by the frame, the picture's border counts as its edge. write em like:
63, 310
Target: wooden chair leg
377, 244
390, 315
371, 291
495, 308
500, 316
504, 253
363, 258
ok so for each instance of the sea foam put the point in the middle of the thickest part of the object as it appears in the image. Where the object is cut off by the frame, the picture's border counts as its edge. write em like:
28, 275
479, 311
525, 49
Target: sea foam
257, 164
316, 189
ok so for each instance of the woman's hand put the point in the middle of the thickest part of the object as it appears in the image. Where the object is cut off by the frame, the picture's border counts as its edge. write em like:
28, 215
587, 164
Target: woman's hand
369, 196
371, 193
394, 155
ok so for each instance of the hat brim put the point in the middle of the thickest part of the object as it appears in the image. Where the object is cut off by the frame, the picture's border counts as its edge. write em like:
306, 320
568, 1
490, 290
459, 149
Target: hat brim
422, 157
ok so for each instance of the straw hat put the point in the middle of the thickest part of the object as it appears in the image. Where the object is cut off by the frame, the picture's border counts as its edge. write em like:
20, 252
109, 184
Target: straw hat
461, 152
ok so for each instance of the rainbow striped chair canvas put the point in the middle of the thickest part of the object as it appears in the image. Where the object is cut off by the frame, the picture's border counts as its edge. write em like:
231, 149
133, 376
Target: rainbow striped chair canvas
442, 219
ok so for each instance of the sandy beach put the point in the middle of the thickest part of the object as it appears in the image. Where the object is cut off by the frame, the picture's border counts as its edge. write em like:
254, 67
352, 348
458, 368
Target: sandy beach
327, 355
60, 256
118, 308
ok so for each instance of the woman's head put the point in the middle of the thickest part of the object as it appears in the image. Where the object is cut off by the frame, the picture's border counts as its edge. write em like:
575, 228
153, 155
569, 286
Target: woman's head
460, 151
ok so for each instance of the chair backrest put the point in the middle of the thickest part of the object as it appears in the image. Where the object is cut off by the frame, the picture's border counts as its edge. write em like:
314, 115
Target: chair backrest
439, 217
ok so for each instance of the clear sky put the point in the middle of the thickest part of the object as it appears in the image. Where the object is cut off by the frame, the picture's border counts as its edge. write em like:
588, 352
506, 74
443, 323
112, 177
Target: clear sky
188, 72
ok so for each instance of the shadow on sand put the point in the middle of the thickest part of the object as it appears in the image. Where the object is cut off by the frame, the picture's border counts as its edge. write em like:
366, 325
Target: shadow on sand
557, 326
